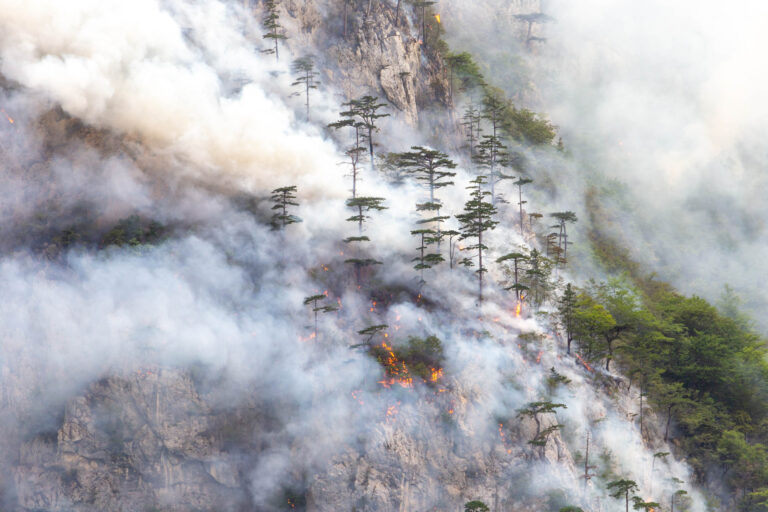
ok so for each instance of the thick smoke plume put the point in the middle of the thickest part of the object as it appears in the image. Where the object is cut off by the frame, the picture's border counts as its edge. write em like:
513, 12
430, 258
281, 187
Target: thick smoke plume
168, 110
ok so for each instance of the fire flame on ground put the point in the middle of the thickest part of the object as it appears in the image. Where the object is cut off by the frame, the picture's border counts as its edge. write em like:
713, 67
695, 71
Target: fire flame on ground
582, 361
504, 438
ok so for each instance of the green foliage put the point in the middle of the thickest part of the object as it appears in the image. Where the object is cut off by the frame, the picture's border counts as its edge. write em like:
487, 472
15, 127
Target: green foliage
306, 76
530, 126
476, 506
271, 23
639, 503
571, 508
418, 357
428, 166
283, 198
464, 73
133, 231
705, 372
621, 489
554, 380
476, 220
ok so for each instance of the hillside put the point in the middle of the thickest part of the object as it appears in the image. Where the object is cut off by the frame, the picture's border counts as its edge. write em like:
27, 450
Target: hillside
339, 255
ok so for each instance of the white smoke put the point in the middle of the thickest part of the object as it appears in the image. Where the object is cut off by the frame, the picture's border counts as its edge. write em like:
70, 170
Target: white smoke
202, 119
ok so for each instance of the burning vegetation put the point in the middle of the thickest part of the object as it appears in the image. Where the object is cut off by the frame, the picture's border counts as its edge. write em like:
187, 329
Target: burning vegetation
418, 358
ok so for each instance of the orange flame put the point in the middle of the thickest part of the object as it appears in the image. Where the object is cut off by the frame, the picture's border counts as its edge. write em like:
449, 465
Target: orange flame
435, 374
437, 17
312, 336
9, 118
582, 361
397, 370
503, 438
392, 411
518, 308
538, 357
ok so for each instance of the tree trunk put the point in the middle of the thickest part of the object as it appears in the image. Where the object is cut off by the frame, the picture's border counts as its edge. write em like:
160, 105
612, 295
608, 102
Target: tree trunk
370, 145
520, 189
669, 420
517, 290
346, 2
480, 257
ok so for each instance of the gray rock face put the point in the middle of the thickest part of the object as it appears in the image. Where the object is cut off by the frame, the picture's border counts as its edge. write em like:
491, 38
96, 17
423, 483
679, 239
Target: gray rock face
132, 442
148, 441
376, 57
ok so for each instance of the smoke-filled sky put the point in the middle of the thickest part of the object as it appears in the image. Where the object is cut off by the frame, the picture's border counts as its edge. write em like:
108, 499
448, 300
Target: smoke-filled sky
202, 118
668, 99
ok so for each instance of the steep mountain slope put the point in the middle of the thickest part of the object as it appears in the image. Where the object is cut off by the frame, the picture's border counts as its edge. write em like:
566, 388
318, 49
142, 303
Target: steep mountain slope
158, 351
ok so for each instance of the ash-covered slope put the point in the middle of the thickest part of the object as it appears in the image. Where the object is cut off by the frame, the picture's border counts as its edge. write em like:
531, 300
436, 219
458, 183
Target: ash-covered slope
166, 362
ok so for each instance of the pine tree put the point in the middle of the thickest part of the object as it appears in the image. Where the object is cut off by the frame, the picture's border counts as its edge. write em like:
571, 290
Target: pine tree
423, 4
452, 236
520, 182
639, 503
428, 166
517, 258
305, 76
426, 260
562, 244
587, 468
362, 205
271, 23
436, 220
677, 494
621, 489
476, 220
537, 277
356, 150
471, 123
566, 308
369, 333
533, 410
463, 67
365, 111
283, 198
313, 300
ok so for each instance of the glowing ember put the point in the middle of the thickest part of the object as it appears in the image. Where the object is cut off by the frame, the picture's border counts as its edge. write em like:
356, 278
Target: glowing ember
504, 438
396, 369
356, 395
392, 412
9, 118
582, 361
312, 336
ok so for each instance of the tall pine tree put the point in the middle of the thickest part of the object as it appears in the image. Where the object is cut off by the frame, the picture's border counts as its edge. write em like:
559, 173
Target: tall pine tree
475, 222
306, 76
271, 23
